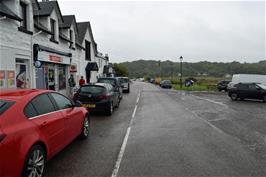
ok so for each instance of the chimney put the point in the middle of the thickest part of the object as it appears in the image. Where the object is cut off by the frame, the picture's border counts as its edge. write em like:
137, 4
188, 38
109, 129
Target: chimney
106, 56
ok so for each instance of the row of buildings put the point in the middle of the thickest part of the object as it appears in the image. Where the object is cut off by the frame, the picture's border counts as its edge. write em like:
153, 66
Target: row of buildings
40, 47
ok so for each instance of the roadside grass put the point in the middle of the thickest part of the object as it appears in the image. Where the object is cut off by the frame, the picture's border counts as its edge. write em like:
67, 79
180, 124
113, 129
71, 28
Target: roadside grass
196, 87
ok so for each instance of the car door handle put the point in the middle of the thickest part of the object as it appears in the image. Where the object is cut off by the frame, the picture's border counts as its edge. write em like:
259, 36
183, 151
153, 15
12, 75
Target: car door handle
44, 124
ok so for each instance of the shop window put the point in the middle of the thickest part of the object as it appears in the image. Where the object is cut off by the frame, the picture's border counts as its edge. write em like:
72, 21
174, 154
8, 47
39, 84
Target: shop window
23, 15
62, 77
88, 50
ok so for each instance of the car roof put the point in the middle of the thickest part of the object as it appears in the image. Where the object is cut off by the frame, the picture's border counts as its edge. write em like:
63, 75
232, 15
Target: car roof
97, 84
110, 78
18, 94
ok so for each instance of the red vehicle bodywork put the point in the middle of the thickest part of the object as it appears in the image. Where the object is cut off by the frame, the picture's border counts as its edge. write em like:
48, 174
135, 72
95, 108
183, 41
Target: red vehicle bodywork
53, 131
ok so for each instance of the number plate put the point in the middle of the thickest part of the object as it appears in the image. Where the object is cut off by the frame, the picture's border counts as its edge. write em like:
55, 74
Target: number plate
89, 105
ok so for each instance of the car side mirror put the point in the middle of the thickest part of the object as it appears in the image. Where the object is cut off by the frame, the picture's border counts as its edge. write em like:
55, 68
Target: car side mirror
78, 104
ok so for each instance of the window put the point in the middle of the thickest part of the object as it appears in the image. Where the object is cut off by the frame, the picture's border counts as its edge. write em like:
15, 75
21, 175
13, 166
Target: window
43, 104
52, 22
71, 35
30, 111
5, 105
88, 50
61, 101
23, 15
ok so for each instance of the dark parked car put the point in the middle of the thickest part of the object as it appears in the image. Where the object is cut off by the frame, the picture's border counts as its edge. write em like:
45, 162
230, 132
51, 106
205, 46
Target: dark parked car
166, 84
115, 82
125, 84
222, 85
99, 97
248, 90
34, 126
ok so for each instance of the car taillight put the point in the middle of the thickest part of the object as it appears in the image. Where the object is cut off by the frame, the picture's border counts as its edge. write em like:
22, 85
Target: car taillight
103, 96
2, 136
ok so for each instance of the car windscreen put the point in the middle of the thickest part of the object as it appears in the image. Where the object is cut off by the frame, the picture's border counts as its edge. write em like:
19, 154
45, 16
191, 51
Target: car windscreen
167, 82
262, 86
109, 81
92, 89
5, 105
124, 80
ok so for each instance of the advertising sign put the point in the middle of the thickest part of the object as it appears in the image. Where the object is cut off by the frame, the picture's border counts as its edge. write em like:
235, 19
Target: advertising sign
2, 79
10, 79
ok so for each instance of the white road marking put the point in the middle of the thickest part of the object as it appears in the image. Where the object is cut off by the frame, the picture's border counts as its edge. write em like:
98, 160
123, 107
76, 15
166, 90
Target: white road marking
211, 101
123, 147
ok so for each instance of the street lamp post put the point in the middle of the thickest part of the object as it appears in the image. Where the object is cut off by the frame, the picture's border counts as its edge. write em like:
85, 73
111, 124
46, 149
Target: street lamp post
181, 59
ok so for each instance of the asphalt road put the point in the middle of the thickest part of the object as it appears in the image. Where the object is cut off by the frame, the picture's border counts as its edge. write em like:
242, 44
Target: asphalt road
170, 133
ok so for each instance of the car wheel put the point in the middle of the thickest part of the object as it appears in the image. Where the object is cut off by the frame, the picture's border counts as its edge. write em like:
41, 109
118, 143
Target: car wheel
35, 162
110, 109
264, 98
85, 128
234, 96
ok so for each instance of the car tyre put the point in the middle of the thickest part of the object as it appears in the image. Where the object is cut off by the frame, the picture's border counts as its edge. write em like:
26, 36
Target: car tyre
35, 162
110, 109
234, 96
264, 99
85, 128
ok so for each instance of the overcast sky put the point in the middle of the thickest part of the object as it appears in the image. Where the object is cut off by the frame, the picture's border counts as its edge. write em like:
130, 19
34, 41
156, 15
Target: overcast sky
213, 31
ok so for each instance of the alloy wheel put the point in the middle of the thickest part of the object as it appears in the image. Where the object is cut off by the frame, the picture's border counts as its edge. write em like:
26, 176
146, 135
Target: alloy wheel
86, 126
35, 163
234, 96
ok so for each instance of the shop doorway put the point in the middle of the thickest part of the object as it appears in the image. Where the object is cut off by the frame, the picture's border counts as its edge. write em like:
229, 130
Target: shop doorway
51, 77
22, 74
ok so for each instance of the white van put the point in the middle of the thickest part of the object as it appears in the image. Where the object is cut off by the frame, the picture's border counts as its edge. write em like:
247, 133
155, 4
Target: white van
247, 78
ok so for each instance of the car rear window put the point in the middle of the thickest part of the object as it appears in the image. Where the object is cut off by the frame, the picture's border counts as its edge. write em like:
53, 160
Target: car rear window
92, 89
109, 81
5, 105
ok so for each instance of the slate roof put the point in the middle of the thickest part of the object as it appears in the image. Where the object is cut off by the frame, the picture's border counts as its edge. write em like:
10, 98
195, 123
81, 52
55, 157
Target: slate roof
68, 20
46, 8
5, 11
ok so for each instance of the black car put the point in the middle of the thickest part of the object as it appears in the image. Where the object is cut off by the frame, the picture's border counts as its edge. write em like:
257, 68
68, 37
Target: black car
166, 84
115, 82
98, 97
222, 85
248, 90
125, 84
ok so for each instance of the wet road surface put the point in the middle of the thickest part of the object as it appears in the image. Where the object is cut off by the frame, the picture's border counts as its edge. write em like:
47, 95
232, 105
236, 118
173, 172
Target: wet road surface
170, 133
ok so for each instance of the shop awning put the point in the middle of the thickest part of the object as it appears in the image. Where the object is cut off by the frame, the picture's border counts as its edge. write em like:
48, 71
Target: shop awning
92, 66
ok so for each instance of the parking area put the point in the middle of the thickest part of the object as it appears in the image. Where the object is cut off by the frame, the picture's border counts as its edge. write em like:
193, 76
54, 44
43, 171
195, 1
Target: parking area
243, 120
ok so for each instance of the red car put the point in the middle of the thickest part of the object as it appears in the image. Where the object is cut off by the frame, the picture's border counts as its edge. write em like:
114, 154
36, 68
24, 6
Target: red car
34, 126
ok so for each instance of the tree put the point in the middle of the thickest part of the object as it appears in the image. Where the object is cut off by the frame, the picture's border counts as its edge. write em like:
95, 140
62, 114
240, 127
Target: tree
120, 70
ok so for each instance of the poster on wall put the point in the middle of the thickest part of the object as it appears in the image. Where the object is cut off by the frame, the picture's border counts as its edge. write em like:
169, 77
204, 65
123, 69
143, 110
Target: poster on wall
2, 79
21, 77
10, 79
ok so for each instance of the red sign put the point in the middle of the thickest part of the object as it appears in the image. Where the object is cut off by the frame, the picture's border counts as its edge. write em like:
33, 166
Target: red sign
73, 69
55, 58
2, 74
11, 74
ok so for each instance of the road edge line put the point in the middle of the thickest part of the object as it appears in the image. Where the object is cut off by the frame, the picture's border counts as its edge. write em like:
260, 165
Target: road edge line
123, 147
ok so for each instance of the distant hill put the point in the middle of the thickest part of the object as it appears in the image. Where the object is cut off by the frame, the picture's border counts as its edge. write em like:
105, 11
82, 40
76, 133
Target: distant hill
151, 68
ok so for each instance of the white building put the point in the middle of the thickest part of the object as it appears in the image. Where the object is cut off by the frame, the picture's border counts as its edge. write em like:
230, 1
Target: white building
40, 48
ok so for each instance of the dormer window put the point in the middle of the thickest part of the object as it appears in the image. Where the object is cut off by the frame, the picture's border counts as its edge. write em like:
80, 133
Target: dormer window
52, 22
88, 50
23, 15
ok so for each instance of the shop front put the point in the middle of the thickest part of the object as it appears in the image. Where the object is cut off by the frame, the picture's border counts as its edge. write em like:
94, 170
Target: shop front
52, 69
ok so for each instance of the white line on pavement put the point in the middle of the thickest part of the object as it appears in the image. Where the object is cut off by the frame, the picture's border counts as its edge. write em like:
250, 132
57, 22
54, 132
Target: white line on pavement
211, 101
123, 147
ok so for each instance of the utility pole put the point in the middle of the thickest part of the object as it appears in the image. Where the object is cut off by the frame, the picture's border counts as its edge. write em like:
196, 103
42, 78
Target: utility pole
181, 74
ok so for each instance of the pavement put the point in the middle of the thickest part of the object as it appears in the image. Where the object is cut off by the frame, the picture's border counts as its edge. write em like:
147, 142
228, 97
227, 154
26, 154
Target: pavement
162, 132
